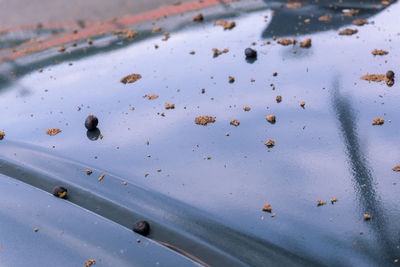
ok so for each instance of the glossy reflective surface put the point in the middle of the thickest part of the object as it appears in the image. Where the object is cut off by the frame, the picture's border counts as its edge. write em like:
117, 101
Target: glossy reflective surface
198, 176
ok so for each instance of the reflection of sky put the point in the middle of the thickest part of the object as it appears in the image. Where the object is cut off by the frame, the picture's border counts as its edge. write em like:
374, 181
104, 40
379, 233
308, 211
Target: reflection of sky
305, 165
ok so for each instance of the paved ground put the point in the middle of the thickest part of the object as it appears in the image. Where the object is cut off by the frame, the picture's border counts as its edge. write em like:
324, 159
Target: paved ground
18, 12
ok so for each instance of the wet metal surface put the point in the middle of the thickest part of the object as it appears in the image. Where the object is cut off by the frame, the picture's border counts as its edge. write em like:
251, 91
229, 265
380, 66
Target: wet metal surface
203, 190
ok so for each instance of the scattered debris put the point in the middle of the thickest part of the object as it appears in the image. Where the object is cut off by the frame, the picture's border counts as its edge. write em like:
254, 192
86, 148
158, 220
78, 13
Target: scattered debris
320, 202
293, 5
333, 200
88, 171
227, 25
351, 13
306, 43
374, 77
53, 131
267, 207
360, 22
348, 31
203, 120
235, 123
271, 118
246, 108
101, 177
270, 143
130, 34
169, 106
378, 121
377, 52
131, 78
198, 17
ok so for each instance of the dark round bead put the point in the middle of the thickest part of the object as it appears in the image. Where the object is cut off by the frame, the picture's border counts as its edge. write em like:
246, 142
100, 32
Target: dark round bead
142, 228
91, 122
390, 75
250, 53
60, 192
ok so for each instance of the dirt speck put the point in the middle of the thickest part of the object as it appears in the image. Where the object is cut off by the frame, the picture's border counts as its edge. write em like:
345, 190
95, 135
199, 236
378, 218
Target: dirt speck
36, 229
379, 52
198, 17
359, 22
333, 200
246, 108
169, 106
131, 78
293, 5
61, 49
367, 217
302, 104
348, 31
150, 97
227, 25
53, 131
320, 202
2, 134
396, 168
217, 52
88, 171
325, 18
378, 121
235, 123
166, 36
130, 34
271, 118
306, 43
351, 13
231, 79
89, 263
155, 30
100, 177
278, 99
192, 52
267, 207
284, 41
204, 120
374, 77
270, 143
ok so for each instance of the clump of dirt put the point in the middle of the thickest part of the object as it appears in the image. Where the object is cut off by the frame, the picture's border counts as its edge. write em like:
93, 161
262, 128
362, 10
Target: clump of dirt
203, 120
360, 22
150, 97
62, 49
198, 17
320, 202
378, 121
348, 31
374, 77
270, 143
379, 52
325, 18
306, 43
267, 207
231, 79
2, 134
53, 131
169, 106
88, 171
130, 34
246, 108
227, 25
293, 5
131, 78
278, 99
235, 123
155, 30
351, 13
217, 52
271, 118
284, 41
367, 217
192, 52
302, 104
396, 168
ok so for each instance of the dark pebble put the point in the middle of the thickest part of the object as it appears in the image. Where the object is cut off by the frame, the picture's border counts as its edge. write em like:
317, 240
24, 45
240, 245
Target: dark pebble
60, 192
142, 228
91, 122
250, 53
390, 75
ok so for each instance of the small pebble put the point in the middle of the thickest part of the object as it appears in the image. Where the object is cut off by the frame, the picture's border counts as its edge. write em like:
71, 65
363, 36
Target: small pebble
142, 228
250, 53
91, 122
60, 192
390, 75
